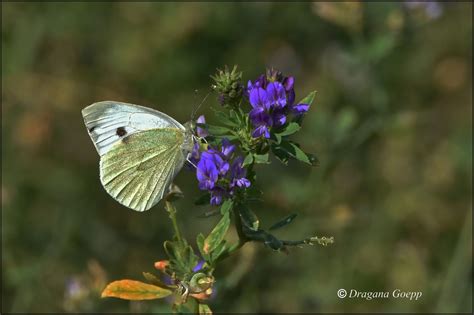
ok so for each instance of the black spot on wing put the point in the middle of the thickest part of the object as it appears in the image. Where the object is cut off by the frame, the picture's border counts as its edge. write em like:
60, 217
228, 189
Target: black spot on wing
121, 131
92, 129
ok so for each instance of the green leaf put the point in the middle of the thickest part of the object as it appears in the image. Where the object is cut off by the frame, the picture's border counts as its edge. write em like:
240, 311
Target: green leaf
226, 206
277, 137
134, 290
225, 119
308, 99
200, 244
234, 116
154, 279
288, 149
248, 160
289, 130
300, 155
281, 154
215, 130
260, 158
218, 251
283, 222
217, 234
181, 256
249, 218
204, 309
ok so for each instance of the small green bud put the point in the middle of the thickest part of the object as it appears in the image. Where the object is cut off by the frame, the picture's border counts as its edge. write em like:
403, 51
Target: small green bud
200, 282
228, 84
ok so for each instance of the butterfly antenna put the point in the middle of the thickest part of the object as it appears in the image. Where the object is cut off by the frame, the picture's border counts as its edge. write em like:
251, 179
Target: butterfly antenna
199, 106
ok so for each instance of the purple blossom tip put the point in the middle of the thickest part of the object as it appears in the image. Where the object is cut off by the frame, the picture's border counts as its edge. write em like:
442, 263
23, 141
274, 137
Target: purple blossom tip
201, 132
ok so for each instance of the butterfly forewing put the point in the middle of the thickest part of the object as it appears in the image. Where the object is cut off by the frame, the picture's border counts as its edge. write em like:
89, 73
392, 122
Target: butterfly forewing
109, 122
137, 170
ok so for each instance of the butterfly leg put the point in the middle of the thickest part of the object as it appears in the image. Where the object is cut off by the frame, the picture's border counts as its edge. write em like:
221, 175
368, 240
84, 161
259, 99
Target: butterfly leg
189, 160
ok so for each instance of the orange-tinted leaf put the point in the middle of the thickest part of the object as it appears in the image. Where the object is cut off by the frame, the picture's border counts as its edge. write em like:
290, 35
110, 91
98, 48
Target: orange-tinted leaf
134, 290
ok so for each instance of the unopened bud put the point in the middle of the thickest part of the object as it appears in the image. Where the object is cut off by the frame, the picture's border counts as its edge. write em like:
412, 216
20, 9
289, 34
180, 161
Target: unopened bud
162, 264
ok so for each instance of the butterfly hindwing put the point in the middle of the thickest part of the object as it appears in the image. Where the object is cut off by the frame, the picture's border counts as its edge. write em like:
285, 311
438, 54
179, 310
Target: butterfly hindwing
138, 169
109, 122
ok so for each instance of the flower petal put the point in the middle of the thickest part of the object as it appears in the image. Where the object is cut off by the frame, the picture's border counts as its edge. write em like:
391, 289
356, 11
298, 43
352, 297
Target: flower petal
276, 94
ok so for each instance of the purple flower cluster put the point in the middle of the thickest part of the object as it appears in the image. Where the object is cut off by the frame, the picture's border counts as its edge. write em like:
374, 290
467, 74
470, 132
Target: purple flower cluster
272, 98
219, 172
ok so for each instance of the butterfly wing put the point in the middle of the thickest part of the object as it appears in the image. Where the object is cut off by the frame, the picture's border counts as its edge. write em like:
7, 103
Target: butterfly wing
141, 151
138, 170
109, 122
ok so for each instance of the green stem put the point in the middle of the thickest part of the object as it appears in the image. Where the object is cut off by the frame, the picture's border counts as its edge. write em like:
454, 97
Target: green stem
172, 215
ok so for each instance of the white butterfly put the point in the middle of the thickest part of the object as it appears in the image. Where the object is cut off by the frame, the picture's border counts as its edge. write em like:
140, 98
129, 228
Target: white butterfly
141, 150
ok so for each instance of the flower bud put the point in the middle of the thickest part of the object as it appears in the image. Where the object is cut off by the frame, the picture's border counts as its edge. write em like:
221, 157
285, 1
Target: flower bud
201, 282
162, 264
228, 86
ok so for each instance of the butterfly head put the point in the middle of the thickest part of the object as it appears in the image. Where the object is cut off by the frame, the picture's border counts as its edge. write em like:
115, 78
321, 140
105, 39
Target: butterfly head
190, 135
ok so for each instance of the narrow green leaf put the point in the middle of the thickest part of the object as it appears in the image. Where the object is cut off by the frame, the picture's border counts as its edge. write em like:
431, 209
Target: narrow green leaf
204, 309
200, 244
154, 279
277, 137
281, 154
260, 158
181, 256
308, 99
290, 129
288, 149
249, 218
235, 117
218, 251
217, 234
283, 222
300, 155
226, 206
248, 160
225, 119
215, 130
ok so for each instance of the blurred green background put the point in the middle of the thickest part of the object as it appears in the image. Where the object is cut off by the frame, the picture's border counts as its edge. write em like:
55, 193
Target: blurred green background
391, 125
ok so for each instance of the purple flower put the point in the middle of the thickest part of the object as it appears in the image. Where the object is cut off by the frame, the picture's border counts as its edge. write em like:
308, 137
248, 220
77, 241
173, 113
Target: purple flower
195, 155
201, 132
276, 94
238, 174
206, 174
299, 109
272, 97
261, 82
215, 174
262, 123
215, 158
259, 99
227, 149
279, 117
216, 196
288, 83
261, 130
198, 266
